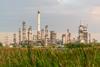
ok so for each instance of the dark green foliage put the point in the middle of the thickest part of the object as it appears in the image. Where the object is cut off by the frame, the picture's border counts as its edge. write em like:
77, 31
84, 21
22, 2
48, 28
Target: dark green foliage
77, 45
1, 45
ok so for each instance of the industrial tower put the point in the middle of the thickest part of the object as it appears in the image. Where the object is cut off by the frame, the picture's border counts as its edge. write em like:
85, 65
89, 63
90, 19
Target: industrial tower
53, 37
46, 35
24, 31
38, 27
83, 34
63, 38
14, 39
89, 38
42, 34
68, 36
19, 35
30, 34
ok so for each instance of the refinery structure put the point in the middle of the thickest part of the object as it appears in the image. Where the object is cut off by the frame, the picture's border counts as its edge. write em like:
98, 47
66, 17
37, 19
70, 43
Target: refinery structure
44, 37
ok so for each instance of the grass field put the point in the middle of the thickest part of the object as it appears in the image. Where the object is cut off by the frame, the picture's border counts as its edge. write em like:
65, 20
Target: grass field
50, 57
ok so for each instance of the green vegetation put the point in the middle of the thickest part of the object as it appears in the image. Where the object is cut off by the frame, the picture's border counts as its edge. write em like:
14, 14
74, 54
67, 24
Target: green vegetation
1, 45
50, 57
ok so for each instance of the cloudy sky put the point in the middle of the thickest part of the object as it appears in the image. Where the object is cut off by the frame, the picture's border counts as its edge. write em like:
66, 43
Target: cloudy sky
58, 14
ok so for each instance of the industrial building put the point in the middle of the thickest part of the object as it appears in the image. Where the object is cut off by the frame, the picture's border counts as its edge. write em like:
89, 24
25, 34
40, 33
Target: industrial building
44, 37
26, 35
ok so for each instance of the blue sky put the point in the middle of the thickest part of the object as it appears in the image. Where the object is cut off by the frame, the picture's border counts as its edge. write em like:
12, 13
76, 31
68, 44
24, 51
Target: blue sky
58, 14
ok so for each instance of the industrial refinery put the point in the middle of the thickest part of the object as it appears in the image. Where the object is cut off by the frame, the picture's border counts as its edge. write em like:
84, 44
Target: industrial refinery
46, 37
42, 37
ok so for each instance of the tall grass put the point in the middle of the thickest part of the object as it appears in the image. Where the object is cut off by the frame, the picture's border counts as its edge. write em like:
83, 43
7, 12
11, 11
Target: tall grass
50, 57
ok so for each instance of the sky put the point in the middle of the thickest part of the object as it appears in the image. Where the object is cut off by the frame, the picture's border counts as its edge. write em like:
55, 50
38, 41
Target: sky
58, 14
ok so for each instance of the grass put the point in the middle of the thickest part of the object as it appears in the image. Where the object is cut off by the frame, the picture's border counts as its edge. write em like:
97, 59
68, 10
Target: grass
50, 57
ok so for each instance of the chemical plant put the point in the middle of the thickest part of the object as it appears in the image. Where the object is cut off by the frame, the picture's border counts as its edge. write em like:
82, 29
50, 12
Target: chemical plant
44, 37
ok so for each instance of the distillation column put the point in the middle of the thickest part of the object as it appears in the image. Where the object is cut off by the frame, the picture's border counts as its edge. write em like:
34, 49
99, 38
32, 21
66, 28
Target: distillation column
30, 34
46, 35
68, 36
63, 38
89, 38
19, 36
24, 32
53, 37
14, 39
42, 34
83, 34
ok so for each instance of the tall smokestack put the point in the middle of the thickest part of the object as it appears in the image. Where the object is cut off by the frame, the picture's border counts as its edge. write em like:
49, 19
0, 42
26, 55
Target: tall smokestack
38, 21
38, 27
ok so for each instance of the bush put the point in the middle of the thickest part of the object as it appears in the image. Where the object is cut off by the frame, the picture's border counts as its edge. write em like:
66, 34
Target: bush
77, 45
